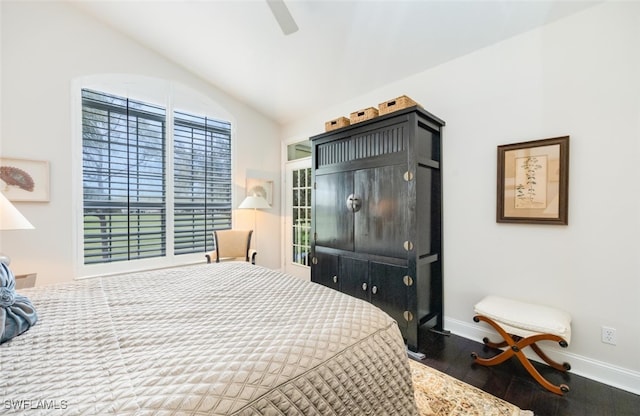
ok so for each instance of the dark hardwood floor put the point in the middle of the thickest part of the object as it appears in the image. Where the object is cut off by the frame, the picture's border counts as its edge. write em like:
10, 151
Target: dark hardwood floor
511, 382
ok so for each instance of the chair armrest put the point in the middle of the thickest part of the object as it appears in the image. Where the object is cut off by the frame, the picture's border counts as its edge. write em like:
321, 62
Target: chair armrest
252, 256
211, 257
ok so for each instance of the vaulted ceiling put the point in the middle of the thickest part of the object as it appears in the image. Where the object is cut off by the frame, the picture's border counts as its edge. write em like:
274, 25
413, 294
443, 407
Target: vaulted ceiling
342, 49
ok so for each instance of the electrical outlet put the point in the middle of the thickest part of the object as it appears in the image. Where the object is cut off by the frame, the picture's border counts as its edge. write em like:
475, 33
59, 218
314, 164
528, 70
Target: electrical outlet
609, 335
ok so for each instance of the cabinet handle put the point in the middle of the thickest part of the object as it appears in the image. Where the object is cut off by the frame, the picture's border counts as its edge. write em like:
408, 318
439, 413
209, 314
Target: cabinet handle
374, 289
335, 279
353, 203
364, 286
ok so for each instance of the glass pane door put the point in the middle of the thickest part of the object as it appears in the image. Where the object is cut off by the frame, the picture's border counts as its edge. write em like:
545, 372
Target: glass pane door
301, 212
298, 218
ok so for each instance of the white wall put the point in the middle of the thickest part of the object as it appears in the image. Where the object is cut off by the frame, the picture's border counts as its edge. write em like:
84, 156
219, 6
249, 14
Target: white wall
577, 77
46, 48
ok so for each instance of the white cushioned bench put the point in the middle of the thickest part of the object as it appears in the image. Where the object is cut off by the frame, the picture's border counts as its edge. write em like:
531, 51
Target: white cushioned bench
522, 324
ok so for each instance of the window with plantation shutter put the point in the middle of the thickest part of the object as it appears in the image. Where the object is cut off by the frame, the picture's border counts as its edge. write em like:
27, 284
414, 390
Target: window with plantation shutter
127, 146
202, 180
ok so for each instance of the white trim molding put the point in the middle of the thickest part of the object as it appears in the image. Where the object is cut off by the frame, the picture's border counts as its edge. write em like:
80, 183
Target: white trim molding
602, 372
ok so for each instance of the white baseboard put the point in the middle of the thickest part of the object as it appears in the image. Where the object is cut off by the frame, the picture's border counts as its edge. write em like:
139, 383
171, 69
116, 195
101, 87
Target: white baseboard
602, 372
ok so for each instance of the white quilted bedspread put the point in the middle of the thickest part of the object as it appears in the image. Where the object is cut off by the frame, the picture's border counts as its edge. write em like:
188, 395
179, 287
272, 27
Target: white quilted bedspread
223, 339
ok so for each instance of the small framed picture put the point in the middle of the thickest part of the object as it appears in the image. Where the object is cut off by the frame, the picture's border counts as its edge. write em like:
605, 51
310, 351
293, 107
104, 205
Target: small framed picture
24, 180
533, 182
260, 187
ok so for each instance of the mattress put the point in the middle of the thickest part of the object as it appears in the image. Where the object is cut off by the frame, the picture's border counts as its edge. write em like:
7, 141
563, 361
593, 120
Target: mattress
217, 339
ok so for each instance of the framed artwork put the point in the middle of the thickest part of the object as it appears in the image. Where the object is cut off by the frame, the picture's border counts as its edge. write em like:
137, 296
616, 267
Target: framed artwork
260, 187
24, 180
533, 182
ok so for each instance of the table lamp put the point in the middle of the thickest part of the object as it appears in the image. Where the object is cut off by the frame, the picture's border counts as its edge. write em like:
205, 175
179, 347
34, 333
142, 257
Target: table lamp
11, 219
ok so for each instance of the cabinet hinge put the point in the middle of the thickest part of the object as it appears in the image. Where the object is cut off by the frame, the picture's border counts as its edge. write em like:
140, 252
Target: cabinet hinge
408, 316
314, 260
314, 185
315, 236
407, 280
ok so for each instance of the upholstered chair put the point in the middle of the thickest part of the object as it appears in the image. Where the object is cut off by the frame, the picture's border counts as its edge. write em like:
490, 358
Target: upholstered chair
232, 245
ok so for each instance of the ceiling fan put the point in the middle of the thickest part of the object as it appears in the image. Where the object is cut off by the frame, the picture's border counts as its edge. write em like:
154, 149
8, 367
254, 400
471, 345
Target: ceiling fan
283, 17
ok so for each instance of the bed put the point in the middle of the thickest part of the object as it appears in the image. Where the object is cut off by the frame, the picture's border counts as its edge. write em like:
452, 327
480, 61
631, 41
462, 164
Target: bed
217, 339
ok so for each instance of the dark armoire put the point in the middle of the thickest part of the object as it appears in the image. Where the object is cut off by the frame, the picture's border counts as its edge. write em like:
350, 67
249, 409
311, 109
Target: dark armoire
377, 216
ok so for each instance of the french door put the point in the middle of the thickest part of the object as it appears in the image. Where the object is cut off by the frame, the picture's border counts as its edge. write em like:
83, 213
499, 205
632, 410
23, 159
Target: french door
298, 218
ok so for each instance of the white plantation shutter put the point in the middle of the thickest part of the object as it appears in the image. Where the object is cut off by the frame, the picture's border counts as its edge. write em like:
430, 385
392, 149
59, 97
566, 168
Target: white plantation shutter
202, 181
125, 155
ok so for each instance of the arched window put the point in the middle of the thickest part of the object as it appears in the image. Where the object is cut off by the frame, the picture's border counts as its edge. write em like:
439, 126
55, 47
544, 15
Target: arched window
156, 181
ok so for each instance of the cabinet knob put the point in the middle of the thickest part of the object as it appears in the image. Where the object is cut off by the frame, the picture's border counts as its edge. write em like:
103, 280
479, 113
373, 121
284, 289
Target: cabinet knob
335, 279
408, 316
374, 289
364, 286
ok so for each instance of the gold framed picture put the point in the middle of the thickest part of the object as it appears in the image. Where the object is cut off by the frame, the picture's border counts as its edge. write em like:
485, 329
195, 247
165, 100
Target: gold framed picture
533, 182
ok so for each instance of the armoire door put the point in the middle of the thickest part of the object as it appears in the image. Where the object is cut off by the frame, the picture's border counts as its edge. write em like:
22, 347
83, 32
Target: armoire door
381, 224
333, 219
325, 270
388, 288
354, 279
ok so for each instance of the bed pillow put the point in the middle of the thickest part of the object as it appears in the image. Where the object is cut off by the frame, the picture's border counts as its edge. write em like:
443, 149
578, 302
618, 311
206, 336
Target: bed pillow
17, 313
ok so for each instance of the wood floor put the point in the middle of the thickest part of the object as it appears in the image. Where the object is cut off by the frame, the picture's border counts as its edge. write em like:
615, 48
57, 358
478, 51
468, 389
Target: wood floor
509, 381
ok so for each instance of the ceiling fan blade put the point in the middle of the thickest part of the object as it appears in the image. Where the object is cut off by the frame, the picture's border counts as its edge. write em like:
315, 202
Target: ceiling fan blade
282, 15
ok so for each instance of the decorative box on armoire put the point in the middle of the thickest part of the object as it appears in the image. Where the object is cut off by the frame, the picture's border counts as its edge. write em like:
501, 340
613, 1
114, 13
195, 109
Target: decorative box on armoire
377, 215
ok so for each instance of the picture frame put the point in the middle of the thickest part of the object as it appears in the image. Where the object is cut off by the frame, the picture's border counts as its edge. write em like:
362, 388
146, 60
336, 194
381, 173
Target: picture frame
260, 187
24, 180
533, 182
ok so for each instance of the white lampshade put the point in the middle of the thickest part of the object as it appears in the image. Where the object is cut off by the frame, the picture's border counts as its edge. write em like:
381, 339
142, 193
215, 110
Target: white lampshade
10, 217
254, 202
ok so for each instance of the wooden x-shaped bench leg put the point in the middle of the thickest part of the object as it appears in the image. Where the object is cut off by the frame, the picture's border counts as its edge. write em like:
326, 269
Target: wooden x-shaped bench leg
516, 344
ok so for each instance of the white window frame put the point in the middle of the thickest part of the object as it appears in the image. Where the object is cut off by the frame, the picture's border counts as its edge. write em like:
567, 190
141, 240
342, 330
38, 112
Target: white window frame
155, 91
